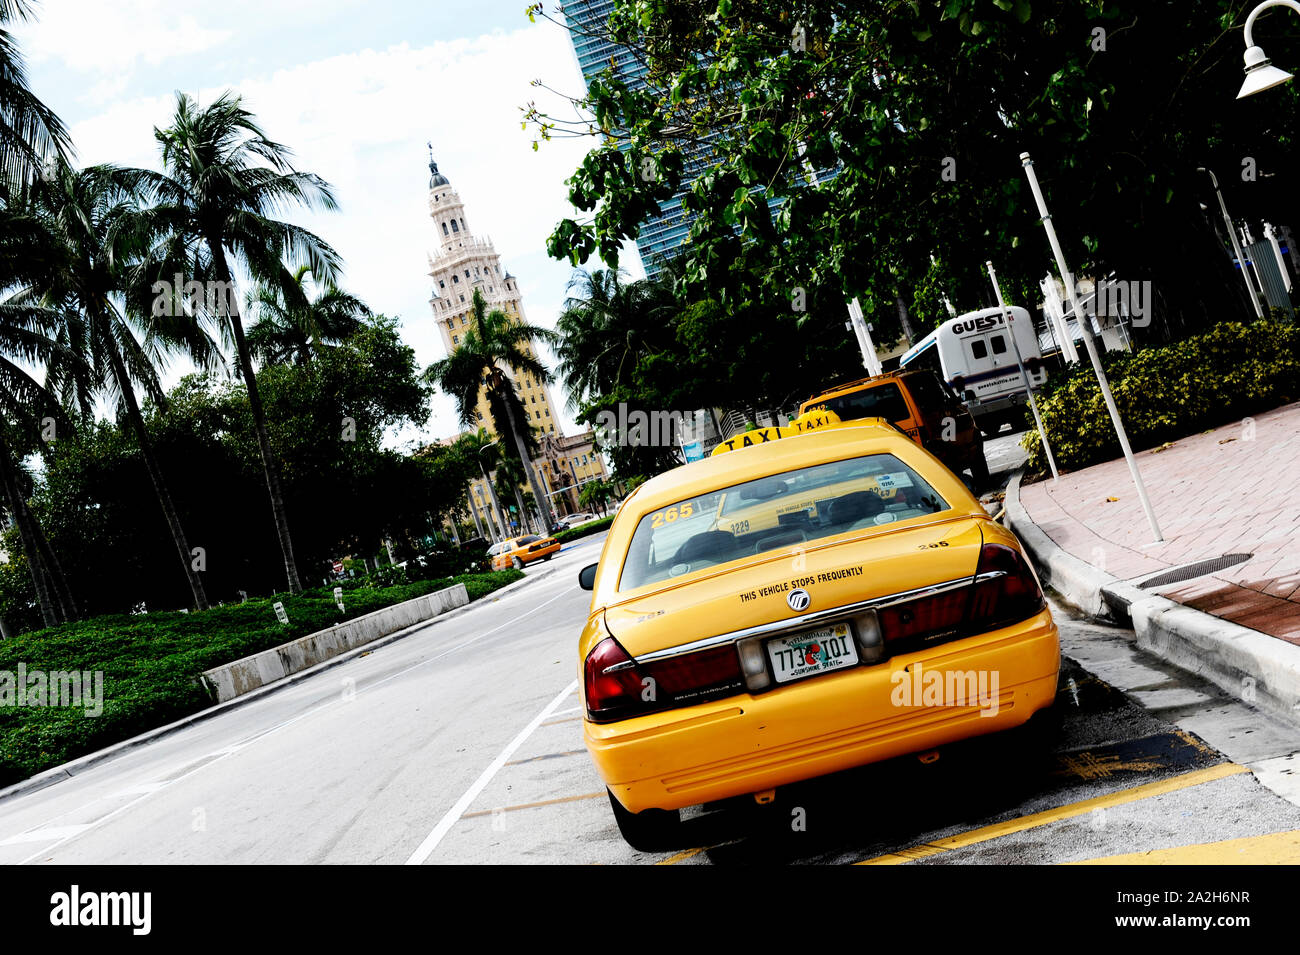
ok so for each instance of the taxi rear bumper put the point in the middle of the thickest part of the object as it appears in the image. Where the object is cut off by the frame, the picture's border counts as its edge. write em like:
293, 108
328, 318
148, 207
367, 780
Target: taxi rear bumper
749, 743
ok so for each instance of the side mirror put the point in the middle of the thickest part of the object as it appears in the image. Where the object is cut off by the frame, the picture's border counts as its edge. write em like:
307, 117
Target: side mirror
587, 577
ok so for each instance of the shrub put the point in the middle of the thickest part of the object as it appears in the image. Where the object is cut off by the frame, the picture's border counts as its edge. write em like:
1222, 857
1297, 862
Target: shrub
151, 662
1169, 392
593, 527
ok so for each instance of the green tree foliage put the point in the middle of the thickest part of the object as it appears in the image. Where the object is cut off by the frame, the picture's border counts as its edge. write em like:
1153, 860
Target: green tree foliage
1169, 392
214, 210
836, 146
628, 349
327, 423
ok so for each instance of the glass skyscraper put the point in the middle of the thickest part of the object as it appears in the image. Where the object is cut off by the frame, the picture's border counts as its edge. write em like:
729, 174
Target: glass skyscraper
661, 234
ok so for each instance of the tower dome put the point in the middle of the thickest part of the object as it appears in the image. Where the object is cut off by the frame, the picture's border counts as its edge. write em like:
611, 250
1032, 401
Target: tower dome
435, 178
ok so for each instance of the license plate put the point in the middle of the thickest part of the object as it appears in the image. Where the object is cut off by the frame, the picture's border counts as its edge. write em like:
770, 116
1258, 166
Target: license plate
812, 652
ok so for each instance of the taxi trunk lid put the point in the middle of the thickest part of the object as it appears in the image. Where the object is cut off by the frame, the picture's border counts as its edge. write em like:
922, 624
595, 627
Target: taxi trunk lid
877, 564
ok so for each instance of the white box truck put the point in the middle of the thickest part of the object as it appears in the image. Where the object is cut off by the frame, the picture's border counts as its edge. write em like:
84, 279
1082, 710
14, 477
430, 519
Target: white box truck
973, 355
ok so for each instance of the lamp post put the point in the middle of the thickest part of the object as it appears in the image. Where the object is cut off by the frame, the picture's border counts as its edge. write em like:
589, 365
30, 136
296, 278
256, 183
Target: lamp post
1084, 322
1260, 73
496, 505
1236, 246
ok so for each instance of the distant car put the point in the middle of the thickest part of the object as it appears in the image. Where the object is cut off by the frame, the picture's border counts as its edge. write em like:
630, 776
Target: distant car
517, 552
801, 603
559, 526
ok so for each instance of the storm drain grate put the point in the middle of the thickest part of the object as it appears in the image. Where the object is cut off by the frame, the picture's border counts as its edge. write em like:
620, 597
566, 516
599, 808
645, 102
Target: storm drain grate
1198, 569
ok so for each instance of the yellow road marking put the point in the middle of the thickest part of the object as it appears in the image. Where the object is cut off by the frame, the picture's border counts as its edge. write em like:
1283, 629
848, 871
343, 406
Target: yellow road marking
1279, 848
533, 805
1068, 811
1088, 765
681, 856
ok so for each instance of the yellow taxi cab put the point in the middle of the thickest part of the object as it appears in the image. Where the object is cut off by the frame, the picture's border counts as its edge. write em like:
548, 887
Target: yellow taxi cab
813, 598
518, 551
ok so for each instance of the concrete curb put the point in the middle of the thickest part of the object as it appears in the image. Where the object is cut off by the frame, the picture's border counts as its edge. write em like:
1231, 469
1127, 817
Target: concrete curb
1248, 665
270, 666
53, 775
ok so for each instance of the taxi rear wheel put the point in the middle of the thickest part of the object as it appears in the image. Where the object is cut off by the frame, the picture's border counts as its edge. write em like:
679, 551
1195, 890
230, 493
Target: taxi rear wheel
650, 830
518, 564
979, 470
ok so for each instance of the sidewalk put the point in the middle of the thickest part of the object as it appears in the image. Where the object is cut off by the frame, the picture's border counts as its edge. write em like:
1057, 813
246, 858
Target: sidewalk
1213, 494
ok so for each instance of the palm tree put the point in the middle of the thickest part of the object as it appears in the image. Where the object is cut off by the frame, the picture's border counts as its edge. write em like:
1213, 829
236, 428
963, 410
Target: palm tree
291, 327
495, 342
482, 452
30, 336
609, 328
92, 213
608, 324
224, 180
30, 134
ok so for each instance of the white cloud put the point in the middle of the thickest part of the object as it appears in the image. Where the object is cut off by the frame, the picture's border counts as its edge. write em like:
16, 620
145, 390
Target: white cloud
115, 37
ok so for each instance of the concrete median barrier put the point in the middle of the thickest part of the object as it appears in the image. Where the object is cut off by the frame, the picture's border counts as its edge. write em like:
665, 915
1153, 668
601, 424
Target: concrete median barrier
249, 673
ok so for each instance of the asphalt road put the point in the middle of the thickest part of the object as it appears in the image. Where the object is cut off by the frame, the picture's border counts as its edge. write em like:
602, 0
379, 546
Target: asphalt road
462, 743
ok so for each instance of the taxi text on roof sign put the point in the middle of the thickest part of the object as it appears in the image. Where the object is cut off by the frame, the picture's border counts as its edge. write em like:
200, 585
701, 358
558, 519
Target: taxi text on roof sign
812, 420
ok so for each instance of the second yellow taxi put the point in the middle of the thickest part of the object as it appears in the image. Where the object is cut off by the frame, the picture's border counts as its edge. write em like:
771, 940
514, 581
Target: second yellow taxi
518, 552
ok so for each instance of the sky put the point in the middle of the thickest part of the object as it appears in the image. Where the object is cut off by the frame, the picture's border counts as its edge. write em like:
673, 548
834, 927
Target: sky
356, 90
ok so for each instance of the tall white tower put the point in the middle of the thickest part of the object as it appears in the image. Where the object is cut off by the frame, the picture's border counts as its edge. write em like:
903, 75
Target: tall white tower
461, 264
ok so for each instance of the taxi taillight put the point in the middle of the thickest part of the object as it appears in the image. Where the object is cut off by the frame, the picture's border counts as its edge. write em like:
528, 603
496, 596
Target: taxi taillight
617, 687
611, 685
1004, 591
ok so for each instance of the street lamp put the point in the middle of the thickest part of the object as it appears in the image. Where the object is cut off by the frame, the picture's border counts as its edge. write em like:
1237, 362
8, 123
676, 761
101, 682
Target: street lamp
1236, 246
496, 505
1260, 73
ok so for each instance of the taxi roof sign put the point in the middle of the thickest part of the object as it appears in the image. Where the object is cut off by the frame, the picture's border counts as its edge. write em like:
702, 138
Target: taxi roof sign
812, 420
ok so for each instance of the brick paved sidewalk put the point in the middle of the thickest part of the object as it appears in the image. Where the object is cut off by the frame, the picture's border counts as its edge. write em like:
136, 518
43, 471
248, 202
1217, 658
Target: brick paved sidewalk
1224, 492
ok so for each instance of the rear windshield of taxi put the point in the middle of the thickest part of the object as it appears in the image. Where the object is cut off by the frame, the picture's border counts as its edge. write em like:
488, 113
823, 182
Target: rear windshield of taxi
783, 510
882, 401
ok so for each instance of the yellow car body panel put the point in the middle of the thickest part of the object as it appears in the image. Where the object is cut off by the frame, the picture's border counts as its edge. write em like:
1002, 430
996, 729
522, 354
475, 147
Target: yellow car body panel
749, 742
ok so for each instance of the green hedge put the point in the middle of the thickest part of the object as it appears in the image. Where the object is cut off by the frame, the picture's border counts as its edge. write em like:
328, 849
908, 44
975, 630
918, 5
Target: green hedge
1168, 392
151, 663
593, 527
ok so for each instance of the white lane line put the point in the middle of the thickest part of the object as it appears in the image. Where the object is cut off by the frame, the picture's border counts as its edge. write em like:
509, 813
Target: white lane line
420, 855
45, 835
149, 789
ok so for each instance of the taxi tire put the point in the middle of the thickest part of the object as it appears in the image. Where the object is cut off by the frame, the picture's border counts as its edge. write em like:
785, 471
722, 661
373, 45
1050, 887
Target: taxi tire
650, 830
517, 563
